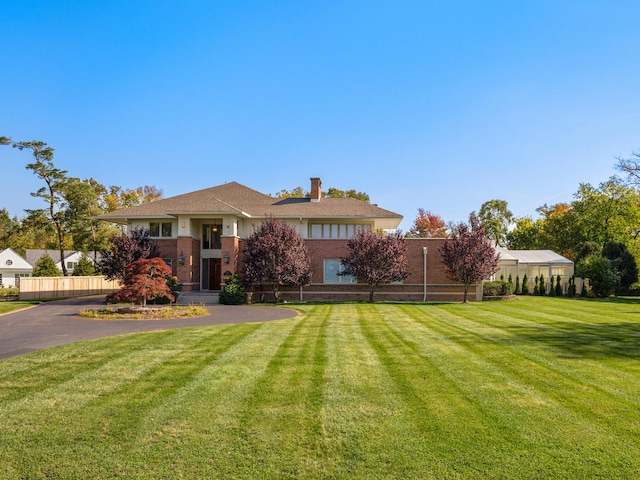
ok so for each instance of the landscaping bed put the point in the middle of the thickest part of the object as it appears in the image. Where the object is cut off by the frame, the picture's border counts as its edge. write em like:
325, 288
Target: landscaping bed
153, 312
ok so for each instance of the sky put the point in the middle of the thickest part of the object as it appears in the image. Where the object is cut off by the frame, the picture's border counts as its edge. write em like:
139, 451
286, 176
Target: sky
440, 105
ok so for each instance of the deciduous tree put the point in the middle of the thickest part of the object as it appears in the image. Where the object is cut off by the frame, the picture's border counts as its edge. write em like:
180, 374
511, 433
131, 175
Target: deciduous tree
602, 277
376, 258
495, 218
276, 255
126, 249
469, 256
427, 225
145, 280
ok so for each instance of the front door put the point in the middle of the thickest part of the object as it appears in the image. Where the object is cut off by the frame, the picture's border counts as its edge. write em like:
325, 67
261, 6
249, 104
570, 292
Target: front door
215, 273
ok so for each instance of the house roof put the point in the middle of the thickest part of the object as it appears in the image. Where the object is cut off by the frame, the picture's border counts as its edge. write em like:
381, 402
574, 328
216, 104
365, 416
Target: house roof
532, 256
33, 255
16, 261
236, 199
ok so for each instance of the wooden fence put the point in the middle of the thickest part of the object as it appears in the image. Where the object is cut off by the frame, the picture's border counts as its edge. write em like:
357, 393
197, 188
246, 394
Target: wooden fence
33, 288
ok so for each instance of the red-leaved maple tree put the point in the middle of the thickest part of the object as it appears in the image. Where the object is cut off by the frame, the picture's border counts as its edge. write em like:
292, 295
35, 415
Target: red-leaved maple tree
275, 255
469, 255
145, 279
376, 258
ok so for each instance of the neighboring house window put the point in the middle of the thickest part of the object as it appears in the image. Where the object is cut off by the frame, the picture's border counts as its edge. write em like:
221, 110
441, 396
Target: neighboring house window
332, 270
71, 265
18, 277
336, 230
211, 237
160, 229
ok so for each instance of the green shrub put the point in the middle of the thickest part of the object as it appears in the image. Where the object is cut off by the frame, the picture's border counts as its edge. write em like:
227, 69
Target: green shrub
233, 293
552, 288
499, 288
543, 288
571, 289
517, 290
525, 285
558, 287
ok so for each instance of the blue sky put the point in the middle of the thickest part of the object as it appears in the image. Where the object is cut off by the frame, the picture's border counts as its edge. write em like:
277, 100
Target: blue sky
434, 104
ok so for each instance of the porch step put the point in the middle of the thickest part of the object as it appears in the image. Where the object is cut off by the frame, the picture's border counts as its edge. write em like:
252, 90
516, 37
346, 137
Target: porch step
198, 298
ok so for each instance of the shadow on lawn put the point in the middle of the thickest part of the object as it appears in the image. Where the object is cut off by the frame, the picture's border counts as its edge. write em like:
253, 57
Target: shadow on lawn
580, 340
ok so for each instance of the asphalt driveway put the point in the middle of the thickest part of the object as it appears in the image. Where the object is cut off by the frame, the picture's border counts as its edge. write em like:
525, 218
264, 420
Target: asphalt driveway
55, 323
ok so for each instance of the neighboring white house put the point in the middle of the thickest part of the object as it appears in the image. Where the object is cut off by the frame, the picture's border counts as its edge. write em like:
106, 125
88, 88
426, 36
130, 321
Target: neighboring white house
71, 258
12, 268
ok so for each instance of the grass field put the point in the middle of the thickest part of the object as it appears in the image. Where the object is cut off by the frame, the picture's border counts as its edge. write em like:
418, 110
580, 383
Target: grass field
534, 388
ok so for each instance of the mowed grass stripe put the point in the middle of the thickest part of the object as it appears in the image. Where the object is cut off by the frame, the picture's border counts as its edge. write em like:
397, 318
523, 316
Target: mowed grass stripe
530, 397
197, 430
367, 426
458, 436
110, 404
592, 359
280, 418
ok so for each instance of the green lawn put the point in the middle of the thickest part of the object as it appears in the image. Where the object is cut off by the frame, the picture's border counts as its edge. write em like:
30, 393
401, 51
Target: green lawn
6, 307
534, 388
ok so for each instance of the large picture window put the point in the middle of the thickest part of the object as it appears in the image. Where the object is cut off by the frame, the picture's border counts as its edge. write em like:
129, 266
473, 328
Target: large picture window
160, 229
332, 271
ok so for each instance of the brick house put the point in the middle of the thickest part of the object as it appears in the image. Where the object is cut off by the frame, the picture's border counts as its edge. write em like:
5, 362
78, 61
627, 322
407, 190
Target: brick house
200, 235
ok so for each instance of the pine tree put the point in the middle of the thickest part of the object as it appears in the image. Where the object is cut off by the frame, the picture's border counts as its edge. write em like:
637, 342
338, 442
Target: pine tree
558, 287
525, 285
45, 267
517, 290
552, 288
543, 289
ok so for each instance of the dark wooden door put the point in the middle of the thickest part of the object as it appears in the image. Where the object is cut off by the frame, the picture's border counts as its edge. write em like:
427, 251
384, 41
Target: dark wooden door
215, 273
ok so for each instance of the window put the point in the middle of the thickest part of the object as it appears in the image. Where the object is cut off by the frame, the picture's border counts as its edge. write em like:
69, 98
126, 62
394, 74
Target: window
334, 230
157, 229
332, 270
169, 262
18, 277
211, 236
71, 265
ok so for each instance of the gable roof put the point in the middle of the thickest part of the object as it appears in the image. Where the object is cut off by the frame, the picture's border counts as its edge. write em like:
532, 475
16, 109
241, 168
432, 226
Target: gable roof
234, 198
33, 255
17, 262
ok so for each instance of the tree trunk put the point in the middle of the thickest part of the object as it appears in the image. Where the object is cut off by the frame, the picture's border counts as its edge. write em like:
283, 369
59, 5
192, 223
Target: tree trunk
466, 289
371, 291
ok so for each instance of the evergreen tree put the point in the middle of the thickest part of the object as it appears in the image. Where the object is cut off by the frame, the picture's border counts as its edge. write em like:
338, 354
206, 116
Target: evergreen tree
536, 288
45, 267
517, 290
558, 287
84, 268
543, 288
525, 285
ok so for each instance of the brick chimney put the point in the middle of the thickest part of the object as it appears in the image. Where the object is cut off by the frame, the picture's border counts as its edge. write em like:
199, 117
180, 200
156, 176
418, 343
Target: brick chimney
316, 189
